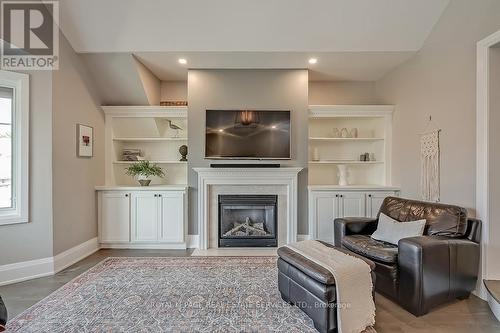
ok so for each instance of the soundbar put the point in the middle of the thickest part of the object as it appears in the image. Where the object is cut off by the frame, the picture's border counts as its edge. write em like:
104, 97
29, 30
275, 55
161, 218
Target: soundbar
245, 165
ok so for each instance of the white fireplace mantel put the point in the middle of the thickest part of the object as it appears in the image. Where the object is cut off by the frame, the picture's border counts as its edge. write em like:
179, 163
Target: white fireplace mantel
286, 176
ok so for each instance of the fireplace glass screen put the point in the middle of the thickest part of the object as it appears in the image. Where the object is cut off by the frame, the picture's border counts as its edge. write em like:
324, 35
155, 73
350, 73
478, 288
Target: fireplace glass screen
247, 220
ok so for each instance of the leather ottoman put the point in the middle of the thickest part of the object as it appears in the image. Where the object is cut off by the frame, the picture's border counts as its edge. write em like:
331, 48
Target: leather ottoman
311, 287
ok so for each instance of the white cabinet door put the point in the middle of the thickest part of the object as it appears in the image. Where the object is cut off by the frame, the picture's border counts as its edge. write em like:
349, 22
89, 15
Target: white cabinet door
144, 216
352, 204
171, 217
374, 201
114, 219
326, 210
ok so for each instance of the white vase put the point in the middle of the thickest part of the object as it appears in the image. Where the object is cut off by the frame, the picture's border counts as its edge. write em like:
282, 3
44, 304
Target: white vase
342, 174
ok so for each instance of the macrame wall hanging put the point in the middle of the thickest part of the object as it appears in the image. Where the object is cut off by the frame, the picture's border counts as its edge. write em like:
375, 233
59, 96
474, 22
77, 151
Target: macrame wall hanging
429, 176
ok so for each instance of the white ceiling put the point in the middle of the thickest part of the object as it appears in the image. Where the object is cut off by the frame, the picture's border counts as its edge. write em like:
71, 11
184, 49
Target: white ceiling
352, 39
248, 25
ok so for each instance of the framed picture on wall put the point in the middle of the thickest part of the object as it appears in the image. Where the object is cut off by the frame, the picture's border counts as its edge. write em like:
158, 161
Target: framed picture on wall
85, 140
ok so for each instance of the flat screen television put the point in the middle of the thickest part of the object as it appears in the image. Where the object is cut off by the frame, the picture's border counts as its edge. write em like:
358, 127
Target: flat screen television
247, 134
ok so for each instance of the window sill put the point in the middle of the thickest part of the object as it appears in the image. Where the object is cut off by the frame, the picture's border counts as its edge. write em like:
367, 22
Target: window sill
9, 219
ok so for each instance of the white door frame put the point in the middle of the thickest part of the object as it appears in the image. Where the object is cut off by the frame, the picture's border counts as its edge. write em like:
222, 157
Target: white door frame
482, 149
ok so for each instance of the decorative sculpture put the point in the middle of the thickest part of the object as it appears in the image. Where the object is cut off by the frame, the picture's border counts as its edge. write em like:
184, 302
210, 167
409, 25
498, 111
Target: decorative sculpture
183, 150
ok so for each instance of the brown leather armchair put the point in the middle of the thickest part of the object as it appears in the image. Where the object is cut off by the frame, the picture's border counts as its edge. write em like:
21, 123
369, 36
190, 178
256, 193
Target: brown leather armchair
420, 272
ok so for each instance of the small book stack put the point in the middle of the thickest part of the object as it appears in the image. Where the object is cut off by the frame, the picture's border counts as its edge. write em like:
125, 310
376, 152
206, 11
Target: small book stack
132, 155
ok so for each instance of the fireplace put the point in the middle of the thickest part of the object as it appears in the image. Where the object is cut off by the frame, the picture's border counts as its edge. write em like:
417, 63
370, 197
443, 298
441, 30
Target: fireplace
248, 221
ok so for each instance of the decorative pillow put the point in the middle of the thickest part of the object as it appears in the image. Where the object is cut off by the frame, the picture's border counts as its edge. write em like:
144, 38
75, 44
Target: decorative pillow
391, 231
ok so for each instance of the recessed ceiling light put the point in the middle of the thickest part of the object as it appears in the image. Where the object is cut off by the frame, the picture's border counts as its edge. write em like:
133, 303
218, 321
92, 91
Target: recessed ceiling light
312, 61
273, 127
182, 61
221, 130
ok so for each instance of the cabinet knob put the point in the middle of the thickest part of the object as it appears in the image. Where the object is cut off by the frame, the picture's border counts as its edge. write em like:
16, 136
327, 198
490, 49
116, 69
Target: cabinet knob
126, 195
159, 195
156, 195
336, 195
369, 195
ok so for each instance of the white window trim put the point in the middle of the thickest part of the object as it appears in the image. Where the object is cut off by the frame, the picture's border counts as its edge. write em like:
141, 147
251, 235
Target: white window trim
20, 84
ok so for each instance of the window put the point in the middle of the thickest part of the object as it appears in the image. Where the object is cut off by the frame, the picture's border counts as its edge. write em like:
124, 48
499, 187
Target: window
14, 131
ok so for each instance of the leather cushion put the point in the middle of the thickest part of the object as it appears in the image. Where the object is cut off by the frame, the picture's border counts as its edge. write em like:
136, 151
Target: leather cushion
313, 270
371, 248
446, 220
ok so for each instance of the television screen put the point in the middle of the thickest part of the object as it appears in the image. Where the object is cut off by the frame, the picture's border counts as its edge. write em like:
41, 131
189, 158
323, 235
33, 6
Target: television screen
247, 134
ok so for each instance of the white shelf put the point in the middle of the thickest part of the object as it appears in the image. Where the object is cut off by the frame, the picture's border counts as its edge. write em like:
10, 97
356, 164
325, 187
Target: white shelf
360, 187
153, 161
149, 139
344, 139
349, 111
345, 162
145, 111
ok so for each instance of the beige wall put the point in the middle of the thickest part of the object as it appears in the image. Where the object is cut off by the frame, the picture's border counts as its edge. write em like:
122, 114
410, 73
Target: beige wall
252, 89
33, 240
342, 92
74, 178
150, 83
440, 81
174, 91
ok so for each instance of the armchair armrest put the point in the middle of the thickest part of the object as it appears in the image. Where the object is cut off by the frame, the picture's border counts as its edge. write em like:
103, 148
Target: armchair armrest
352, 225
434, 270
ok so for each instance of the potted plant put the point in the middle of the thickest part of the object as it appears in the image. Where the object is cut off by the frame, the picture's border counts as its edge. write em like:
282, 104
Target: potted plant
143, 171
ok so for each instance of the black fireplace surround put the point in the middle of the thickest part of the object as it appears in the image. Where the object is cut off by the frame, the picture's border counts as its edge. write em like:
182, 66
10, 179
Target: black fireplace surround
248, 221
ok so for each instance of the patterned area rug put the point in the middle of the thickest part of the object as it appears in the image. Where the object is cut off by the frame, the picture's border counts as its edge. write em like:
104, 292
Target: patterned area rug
195, 294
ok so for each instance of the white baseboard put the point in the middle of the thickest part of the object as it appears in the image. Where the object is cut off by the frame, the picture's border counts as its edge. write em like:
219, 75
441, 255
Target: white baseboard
75, 254
144, 246
32, 269
302, 237
193, 241
26, 270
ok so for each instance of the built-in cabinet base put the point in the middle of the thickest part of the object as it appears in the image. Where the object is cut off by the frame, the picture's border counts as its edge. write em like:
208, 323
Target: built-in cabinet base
143, 217
326, 203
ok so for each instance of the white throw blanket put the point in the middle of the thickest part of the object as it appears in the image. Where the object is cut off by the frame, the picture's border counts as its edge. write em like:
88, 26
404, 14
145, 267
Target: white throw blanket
355, 305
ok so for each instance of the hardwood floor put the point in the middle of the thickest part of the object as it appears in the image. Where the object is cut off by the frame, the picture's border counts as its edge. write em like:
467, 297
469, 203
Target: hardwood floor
472, 315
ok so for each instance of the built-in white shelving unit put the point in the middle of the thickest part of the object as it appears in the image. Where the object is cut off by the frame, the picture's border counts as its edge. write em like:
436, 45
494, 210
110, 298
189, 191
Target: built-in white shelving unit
373, 124
369, 182
146, 128
148, 139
